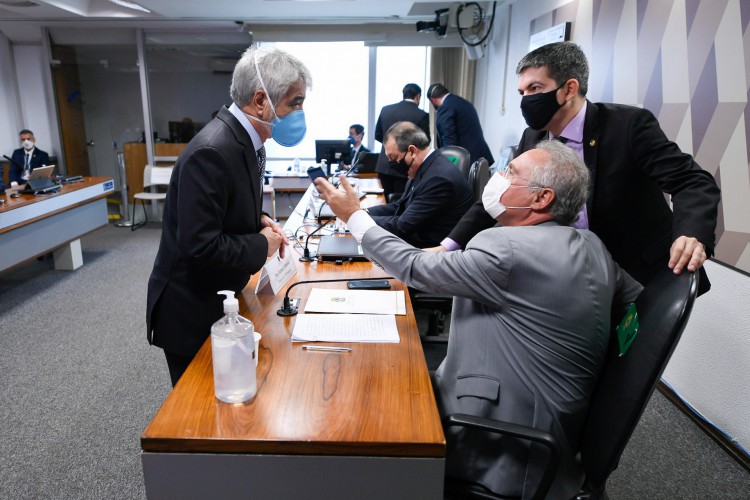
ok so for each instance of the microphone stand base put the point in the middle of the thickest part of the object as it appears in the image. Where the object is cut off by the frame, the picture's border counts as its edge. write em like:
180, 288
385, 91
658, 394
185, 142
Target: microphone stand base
308, 259
292, 310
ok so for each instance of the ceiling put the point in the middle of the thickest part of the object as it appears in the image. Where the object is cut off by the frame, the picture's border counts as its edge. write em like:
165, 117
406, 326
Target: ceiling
379, 22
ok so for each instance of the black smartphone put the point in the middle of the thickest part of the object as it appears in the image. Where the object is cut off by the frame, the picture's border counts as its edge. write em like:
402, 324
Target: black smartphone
315, 172
368, 285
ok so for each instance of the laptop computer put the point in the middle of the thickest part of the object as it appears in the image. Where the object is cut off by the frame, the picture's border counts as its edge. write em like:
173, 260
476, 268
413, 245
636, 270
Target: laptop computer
39, 180
339, 248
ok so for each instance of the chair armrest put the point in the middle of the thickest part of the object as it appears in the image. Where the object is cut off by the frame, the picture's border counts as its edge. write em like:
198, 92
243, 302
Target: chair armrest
518, 431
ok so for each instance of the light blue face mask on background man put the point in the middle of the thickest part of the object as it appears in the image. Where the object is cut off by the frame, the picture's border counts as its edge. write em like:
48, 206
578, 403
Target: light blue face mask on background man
287, 131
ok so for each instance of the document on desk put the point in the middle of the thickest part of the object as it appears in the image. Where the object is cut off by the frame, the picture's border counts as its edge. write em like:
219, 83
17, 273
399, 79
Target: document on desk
345, 301
345, 328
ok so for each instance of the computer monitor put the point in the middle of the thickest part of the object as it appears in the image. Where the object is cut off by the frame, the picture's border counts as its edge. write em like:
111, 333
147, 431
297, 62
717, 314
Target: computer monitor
182, 131
333, 151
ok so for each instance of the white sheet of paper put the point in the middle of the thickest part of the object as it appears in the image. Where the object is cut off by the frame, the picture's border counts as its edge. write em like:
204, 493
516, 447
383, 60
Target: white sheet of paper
345, 328
161, 175
327, 300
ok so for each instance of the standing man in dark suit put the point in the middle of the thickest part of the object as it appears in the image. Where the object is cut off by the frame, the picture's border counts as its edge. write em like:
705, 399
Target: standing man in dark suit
214, 234
356, 134
436, 195
26, 158
632, 165
391, 177
458, 123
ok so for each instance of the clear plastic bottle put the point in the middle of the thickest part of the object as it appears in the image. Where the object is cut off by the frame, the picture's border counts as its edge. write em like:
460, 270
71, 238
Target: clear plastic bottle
233, 349
297, 166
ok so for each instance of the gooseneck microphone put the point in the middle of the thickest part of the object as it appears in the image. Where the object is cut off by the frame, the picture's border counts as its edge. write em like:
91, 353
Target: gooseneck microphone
290, 309
306, 257
14, 162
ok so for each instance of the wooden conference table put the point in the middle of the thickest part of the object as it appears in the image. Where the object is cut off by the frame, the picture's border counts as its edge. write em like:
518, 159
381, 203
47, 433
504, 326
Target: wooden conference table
362, 424
34, 225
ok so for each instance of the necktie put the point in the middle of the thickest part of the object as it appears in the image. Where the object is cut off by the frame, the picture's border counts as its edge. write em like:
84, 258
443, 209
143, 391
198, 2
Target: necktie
261, 167
27, 162
562, 139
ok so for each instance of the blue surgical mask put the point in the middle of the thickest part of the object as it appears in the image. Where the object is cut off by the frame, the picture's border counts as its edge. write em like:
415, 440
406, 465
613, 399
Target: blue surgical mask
288, 130
351, 140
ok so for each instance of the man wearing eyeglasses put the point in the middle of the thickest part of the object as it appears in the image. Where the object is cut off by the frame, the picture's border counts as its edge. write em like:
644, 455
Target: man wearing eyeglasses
531, 315
632, 164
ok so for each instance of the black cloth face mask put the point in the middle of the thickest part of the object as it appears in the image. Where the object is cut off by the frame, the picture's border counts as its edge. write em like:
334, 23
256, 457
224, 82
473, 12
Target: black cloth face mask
401, 165
538, 109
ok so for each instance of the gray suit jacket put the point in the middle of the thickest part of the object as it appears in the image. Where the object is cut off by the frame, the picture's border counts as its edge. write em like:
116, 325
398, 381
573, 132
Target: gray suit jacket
529, 333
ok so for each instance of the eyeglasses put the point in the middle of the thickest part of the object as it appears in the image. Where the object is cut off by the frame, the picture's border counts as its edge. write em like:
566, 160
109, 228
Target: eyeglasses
506, 172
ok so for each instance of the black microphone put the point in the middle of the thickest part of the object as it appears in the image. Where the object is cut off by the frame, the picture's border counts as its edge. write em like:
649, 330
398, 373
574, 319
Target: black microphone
14, 162
290, 309
306, 252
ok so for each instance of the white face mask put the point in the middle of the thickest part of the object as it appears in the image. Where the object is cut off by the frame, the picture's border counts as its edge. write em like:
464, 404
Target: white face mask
27, 145
493, 191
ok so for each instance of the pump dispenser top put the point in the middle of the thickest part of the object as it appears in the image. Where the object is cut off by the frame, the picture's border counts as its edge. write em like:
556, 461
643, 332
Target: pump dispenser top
230, 303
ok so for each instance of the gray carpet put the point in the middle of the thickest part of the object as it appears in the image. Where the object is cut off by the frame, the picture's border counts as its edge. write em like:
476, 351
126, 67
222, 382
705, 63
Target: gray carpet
80, 383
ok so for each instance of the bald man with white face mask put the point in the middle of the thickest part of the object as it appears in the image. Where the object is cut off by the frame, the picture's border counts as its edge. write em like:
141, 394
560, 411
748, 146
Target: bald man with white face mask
531, 315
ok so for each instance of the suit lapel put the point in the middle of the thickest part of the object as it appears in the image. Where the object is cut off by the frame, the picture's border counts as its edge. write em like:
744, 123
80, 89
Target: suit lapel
591, 151
251, 160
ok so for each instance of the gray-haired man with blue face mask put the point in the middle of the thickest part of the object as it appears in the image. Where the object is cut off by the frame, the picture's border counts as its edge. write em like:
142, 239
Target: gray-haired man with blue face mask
215, 235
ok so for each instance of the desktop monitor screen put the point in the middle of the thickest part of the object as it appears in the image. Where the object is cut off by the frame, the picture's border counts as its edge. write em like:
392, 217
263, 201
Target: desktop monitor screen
334, 151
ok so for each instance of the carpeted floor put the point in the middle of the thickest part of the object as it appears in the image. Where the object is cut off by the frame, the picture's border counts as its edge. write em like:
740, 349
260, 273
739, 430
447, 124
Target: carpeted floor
80, 383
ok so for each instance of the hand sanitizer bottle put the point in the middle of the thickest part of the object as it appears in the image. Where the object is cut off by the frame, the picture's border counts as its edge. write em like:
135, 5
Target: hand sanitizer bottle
233, 349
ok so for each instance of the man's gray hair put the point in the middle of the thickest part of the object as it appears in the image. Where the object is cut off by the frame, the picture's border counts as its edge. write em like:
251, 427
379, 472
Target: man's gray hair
567, 175
563, 60
407, 134
278, 69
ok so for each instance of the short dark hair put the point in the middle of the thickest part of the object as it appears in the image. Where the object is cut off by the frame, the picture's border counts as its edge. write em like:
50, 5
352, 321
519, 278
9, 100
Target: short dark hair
407, 134
436, 90
25, 131
358, 129
563, 60
411, 90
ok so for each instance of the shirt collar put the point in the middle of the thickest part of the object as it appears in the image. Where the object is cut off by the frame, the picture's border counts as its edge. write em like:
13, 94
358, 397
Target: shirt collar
574, 130
245, 122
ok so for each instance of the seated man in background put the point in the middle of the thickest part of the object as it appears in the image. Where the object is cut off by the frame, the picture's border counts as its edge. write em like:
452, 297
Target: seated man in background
531, 316
26, 158
436, 194
356, 134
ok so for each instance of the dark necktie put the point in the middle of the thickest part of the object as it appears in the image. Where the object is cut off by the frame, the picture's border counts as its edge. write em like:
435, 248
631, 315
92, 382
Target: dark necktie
561, 139
27, 163
261, 167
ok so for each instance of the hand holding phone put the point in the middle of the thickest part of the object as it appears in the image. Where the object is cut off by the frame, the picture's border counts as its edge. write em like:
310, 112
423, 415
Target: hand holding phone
314, 173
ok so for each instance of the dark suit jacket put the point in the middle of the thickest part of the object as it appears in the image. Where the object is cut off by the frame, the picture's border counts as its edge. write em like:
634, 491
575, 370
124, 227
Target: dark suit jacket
404, 111
362, 149
458, 125
632, 163
210, 236
432, 204
39, 158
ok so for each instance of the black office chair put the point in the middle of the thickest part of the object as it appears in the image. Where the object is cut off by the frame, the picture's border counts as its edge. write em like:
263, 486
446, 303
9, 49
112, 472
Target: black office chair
479, 175
459, 156
625, 386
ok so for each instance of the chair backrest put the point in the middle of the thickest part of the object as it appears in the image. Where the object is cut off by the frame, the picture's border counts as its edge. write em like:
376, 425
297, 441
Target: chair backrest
459, 156
156, 176
479, 175
627, 382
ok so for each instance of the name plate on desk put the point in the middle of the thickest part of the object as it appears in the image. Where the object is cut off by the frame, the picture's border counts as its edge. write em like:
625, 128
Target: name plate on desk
277, 272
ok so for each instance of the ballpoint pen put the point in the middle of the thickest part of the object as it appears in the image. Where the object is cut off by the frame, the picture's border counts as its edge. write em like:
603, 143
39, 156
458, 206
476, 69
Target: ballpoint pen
325, 348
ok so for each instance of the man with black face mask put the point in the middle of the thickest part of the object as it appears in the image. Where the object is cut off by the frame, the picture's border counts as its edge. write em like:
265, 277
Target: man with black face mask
632, 165
436, 193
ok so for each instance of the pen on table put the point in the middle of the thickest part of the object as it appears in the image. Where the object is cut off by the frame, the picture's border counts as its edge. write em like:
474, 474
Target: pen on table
325, 348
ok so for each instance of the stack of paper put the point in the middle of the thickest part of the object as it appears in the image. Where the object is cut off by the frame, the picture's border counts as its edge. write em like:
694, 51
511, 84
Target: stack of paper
345, 328
326, 300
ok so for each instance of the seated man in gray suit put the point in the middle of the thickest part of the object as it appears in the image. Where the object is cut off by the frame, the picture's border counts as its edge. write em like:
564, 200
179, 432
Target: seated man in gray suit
531, 316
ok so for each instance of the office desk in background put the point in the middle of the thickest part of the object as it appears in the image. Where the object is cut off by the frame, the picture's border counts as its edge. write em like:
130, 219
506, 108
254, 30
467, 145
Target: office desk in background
359, 425
34, 225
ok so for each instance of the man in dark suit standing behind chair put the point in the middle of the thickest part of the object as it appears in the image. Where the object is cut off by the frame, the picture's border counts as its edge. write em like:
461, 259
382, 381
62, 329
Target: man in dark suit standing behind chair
632, 165
26, 158
214, 235
392, 178
458, 123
